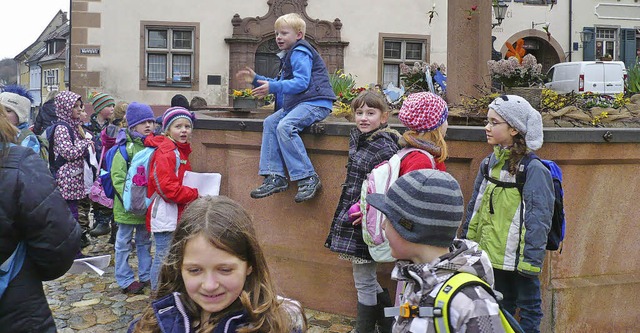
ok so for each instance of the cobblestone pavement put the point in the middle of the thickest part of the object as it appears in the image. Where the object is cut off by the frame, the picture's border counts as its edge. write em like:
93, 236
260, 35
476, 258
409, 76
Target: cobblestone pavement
88, 303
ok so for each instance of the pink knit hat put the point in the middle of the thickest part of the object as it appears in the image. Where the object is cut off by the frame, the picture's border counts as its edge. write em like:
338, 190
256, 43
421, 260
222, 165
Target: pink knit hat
174, 113
423, 112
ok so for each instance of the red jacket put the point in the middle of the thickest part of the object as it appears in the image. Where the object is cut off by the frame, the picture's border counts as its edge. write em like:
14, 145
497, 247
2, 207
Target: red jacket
418, 161
163, 163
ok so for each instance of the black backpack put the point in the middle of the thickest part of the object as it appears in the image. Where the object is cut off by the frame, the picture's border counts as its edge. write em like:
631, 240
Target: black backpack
56, 162
557, 231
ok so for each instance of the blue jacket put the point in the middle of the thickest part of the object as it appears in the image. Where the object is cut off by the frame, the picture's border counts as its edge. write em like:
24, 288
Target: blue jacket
304, 78
173, 318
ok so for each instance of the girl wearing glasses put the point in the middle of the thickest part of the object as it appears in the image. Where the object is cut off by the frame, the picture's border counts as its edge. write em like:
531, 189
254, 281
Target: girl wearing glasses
511, 223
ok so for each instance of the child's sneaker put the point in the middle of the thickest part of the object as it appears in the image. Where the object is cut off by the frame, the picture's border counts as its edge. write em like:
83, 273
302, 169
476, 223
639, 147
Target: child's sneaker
134, 288
307, 188
272, 184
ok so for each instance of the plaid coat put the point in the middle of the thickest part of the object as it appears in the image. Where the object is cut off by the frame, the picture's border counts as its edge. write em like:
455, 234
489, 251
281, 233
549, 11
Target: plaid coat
366, 150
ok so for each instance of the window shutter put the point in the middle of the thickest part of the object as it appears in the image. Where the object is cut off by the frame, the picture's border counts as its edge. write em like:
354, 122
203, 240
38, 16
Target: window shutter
628, 45
589, 49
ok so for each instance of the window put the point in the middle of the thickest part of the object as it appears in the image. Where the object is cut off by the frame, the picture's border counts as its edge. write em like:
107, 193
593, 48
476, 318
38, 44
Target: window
398, 50
169, 56
606, 42
51, 77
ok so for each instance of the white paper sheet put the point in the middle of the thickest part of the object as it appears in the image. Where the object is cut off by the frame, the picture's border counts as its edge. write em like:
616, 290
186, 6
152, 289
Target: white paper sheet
206, 183
90, 264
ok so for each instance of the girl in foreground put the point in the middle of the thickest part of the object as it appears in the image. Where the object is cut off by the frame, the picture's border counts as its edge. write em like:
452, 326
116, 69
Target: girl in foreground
215, 278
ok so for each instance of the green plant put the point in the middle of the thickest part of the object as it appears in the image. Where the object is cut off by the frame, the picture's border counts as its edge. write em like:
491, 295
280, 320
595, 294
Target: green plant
633, 78
244, 93
553, 101
342, 85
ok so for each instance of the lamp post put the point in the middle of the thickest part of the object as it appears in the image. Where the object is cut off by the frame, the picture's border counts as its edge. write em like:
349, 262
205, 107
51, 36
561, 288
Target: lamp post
585, 37
499, 10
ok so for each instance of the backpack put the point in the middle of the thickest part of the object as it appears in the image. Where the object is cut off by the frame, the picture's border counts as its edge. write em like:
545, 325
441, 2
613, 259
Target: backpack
442, 305
557, 231
56, 162
134, 195
11, 267
378, 181
105, 173
44, 143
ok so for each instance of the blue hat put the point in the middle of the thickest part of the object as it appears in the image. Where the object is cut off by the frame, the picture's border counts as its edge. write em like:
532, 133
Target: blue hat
138, 113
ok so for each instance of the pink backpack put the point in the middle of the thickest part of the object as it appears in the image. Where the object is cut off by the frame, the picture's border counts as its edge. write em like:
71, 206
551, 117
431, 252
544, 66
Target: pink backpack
378, 181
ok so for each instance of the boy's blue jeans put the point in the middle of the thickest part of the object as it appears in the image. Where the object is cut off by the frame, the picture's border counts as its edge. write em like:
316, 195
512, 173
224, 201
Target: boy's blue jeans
521, 292
124, 273
163, 241
281, 143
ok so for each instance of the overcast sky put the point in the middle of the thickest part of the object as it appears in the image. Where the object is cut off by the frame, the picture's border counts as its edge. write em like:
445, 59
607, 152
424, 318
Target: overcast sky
24, 20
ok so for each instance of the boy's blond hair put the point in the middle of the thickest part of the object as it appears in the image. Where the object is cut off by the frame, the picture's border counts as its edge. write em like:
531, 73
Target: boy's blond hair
292, 20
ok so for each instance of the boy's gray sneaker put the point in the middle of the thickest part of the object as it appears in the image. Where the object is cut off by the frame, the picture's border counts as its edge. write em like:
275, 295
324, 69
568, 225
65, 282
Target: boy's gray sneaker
272, 184
307, 188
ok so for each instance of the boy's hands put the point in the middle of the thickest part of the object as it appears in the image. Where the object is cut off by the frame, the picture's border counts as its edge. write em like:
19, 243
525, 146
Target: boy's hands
247, 74
262, 90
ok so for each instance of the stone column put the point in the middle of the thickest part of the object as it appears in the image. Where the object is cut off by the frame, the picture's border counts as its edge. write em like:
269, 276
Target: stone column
468, 48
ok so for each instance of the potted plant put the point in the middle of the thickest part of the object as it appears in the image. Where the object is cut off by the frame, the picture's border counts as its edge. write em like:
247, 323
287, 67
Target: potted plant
344, 87
244, 100
606, 57
523, 78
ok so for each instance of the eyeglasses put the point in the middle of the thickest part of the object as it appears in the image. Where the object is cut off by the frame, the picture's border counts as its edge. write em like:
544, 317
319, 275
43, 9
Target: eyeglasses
493, 123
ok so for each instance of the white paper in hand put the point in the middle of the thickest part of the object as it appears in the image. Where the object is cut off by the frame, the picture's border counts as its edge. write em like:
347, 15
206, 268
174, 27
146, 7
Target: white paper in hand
90, 264
206, 183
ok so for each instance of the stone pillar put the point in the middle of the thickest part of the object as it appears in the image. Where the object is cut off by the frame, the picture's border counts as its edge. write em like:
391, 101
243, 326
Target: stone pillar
468, 48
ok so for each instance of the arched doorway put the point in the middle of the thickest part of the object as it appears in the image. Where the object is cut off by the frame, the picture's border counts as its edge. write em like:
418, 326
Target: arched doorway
542, 50
252, 33
267, 60
546, 49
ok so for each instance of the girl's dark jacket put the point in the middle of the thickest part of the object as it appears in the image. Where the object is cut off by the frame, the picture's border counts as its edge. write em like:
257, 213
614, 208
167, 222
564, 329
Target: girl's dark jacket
366, 150
32, 210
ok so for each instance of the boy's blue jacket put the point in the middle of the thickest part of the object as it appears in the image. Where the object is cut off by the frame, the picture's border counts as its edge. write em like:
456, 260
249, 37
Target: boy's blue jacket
303, 79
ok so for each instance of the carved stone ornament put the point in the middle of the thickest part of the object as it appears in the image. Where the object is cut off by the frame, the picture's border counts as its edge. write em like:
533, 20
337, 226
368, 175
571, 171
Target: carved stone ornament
251, 32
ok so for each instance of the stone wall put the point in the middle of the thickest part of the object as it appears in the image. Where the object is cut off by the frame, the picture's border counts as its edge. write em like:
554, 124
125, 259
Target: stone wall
589, 287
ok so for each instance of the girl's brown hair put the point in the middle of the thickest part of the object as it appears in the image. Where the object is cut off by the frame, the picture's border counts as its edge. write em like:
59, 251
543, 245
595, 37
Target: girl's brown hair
119, 114
228, 227
518, 150
419, 139
372, 99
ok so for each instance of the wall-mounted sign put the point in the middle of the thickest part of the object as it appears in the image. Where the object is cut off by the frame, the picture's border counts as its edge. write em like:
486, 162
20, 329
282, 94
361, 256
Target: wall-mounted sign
90, 50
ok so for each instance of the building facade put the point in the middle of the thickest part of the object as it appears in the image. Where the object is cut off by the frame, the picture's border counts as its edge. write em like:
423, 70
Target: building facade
143, 51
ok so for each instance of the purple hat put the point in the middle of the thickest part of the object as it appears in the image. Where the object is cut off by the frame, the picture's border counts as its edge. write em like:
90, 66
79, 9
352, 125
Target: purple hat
138, 113
174, 113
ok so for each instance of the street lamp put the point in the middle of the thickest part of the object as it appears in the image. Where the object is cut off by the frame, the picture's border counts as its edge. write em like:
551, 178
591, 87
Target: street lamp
499, 10
586, 36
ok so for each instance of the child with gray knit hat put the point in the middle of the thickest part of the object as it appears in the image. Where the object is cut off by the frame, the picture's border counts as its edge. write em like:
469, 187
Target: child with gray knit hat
423, 210
510, 219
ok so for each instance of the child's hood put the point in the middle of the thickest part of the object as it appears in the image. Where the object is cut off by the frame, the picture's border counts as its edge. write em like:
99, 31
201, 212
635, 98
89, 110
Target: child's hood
464, 256
65, 101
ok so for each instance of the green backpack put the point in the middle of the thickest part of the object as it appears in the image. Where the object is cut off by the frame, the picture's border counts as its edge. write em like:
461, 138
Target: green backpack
441, 308
44, 143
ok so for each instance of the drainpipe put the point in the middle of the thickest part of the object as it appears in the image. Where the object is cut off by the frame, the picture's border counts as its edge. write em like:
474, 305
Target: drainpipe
570, 28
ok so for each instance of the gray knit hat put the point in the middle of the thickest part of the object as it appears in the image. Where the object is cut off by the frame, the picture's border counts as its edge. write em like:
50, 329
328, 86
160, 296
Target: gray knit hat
424, 206
519, 114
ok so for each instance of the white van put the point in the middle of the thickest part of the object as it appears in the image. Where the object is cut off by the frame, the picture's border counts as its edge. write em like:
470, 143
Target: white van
603, 77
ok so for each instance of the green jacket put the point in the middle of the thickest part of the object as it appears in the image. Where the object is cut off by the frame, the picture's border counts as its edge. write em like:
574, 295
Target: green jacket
118, 176
511, 244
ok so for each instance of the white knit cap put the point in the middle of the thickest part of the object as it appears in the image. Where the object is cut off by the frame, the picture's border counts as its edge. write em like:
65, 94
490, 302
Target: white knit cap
519, 114
20, 105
